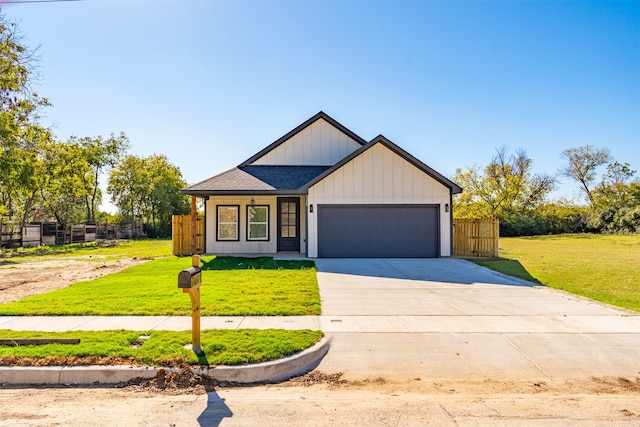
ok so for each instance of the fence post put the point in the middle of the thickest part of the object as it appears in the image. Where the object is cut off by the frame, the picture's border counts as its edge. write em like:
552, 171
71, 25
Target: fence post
194, 243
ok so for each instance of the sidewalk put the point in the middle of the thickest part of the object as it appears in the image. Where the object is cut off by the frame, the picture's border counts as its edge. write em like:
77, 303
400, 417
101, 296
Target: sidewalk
148, 323
583, 323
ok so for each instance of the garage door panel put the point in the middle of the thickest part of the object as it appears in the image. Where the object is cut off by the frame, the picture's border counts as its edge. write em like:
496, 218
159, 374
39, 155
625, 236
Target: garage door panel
378, 231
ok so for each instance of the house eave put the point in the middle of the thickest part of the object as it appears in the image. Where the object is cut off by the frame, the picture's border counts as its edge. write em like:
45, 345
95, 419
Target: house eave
202, 193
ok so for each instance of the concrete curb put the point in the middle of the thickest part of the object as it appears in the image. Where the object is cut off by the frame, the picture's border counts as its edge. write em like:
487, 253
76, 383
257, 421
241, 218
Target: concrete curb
274, 371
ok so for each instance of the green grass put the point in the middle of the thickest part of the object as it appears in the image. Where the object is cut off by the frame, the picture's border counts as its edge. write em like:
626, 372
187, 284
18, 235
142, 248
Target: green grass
143, 248
605, 268
230, 287
158, 348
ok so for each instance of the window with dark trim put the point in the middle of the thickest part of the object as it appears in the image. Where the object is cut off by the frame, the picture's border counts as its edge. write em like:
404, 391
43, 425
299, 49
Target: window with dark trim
228, 219
258, 222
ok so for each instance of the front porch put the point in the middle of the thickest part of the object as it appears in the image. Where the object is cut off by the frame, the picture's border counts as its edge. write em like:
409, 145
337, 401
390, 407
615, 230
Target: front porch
244, 225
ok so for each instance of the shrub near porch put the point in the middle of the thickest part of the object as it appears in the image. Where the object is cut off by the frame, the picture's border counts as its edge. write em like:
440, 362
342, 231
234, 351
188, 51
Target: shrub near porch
230, 287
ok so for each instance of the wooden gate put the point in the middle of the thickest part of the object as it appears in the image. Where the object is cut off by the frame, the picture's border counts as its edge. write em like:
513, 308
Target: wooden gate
181, 235
476, 237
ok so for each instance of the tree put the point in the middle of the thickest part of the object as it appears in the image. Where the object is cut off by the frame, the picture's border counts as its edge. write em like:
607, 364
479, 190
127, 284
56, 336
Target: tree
165, 199
582, 164
617, 201
127, 186
61, 184
506, 184
147, 189
20, 134
98, 154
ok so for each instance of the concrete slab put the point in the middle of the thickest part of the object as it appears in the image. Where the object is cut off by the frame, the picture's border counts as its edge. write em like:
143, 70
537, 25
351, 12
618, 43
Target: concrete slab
47, 324
281, 322
466, 324
603, 324
581, 355
450, 319
135, 323
183, 323
520, 301
6, 320
428, 356
385, 302
362, 324
445, 270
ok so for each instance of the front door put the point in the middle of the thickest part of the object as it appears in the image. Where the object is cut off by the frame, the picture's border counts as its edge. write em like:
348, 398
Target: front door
288, 224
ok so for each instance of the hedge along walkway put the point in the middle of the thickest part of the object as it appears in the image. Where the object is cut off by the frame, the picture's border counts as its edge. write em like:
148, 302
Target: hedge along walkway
230, 287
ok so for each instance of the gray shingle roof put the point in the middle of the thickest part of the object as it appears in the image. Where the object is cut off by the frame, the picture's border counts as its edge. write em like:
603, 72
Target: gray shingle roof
255, 178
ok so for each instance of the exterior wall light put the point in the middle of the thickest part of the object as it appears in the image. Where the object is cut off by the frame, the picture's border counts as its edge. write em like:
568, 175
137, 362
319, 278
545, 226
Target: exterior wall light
311, 208
446, 207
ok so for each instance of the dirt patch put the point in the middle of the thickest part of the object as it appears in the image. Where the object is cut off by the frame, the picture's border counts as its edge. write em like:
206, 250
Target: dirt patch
586, 386
317, 377
184, 381
22, 280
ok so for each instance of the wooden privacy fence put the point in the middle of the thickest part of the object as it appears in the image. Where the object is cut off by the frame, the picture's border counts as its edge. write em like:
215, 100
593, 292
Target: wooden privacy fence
51, 233
181, 235
476, 237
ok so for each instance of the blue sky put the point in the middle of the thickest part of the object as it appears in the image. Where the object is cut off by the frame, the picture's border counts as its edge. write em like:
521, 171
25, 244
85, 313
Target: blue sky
209, 83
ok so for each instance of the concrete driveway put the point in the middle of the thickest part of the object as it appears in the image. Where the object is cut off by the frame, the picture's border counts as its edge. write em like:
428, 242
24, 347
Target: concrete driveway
448, 319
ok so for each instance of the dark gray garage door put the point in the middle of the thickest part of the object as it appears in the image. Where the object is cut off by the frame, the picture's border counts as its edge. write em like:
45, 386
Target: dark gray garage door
378, 231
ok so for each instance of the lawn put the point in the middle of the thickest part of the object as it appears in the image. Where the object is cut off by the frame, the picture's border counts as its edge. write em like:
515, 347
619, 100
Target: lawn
143, 248
601, 267
157, 348
230, 287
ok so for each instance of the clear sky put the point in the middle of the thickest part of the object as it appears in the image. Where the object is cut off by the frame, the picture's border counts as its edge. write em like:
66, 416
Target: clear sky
210, 83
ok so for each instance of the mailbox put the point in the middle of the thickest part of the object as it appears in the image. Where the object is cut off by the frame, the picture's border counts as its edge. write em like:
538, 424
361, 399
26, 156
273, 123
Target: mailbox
189, 278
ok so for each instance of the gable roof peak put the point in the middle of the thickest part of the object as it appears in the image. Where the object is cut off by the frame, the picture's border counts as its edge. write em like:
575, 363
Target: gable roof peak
320, 115
381, 139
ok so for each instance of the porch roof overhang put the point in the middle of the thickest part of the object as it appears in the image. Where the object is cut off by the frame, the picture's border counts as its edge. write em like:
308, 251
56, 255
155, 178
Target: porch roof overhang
252, 179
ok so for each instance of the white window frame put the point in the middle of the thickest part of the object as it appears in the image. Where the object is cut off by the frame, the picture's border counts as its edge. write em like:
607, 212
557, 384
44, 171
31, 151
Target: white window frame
236, 222
265, 223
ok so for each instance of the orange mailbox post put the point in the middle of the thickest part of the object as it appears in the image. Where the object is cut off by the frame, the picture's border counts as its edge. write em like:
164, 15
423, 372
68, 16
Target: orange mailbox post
189, 281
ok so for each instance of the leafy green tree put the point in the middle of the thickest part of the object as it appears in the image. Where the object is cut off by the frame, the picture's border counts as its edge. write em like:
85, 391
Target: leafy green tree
127, 186
165, 199
506, 184
20, 133
99, 154
61, 184
617, 201
147, 189
614, 201
582, 164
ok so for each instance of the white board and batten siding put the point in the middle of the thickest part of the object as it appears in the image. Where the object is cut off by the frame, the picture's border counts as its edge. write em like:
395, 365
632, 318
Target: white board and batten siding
379, 176
319, 144
242, 245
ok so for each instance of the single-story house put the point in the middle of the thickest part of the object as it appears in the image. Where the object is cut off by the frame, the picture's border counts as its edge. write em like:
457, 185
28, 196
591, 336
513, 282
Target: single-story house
323, 191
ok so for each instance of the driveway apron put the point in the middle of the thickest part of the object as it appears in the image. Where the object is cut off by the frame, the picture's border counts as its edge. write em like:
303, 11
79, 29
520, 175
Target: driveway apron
449, 319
